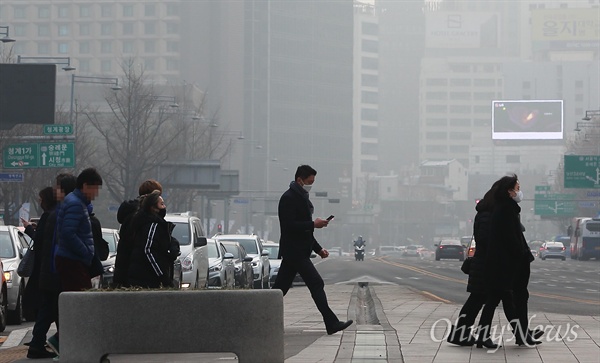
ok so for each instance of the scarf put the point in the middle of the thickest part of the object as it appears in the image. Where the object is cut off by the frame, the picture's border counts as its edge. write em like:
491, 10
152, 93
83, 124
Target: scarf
298, 189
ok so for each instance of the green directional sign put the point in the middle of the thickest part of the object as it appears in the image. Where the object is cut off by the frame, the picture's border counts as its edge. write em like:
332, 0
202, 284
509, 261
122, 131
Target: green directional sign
546, 203
58, 129
39, 155
582, 171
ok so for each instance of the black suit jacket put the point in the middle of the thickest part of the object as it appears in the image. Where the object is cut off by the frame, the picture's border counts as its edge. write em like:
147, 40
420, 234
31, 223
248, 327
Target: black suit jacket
297, 227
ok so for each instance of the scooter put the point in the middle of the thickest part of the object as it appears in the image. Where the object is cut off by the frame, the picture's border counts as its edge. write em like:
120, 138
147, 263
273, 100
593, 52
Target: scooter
359, 253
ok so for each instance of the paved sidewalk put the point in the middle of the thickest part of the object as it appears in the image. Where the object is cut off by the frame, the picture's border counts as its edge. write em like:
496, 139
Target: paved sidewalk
411, 327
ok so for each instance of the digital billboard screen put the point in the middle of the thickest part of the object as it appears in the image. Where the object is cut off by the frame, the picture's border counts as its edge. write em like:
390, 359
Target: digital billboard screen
527, 120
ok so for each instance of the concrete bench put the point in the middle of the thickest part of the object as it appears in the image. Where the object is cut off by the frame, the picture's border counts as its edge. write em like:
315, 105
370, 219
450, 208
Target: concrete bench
245, 322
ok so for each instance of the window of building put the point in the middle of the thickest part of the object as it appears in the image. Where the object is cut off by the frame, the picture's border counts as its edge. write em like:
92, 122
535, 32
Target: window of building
106, 29
369, 132
370, 28
513, 158
84, 47
436, 82
460, 68
436, 122
526, 85
20, 12
84, 29
370, 46
84, 11
369, 148
481, 109
436, 149
106, 10
460, 122
149, 64
578, 84
369, 114
368, 166
149, 28
127, 11
172, 46
436, 95
172, 65
579, 97
63, 48
149, 10
459, 149
460, 82
43, 12
106, 65
149, 46
106, 46
460, 135
83, 65
370, 63
460, 95
43, 48
436, 108
63, 30
370, 80
128, 46
20, 30
369, 97
477, 158
172, 9
436, 135
63, 11
172, 28
481, 122
460, 109
43, 30
485, 96
127, 28
484, 82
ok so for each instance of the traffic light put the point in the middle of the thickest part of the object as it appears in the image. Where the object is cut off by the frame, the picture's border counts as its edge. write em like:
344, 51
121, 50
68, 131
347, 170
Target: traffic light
219, 228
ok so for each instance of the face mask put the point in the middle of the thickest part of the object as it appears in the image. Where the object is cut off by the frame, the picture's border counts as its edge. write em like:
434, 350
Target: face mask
518, 197
162, 212
307, 187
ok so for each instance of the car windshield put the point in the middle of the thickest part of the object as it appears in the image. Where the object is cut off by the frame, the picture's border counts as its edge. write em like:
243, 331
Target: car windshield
182, 233
248, 244
452, 243
7, 248
111, 239
213, 252
231, 249
273, 251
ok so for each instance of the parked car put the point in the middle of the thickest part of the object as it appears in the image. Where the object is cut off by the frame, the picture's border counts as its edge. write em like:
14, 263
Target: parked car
111, 236
260, 256
450, 248
274, 260
553, 250
3, 298
194, 250
13, 246
391, 250
242, 264
412, 251
221, 269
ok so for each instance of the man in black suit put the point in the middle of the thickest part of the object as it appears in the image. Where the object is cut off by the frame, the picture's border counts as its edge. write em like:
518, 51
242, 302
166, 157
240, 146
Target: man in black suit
297, 242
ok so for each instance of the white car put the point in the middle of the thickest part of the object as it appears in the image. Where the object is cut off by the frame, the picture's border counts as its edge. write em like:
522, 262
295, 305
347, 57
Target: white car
13, 246
274, 260
261, 265
221, 269
194, 250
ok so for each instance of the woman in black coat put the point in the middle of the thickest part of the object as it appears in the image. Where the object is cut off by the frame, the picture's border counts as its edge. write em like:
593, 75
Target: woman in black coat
152, 255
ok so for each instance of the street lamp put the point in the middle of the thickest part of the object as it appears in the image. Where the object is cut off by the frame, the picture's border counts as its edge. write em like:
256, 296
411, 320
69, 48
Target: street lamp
88, 79
4, 29
50, 60
161, 98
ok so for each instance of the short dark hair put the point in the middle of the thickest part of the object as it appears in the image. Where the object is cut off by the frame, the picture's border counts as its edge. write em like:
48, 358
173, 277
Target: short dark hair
505, 184
89, 176
66, 182
304, 171
47, 199
148, 186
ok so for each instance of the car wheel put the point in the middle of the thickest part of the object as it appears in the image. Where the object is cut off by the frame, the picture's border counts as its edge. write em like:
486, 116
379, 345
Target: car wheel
437, 258
266, 283
15, 317
196, 283
543, 258
3, 309
563, 258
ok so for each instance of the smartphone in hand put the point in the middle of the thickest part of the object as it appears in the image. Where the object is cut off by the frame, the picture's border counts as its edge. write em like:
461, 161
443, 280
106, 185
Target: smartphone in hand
330, 217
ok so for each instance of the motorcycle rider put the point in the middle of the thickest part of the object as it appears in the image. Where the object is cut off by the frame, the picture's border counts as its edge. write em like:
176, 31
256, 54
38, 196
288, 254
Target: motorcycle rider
359, 248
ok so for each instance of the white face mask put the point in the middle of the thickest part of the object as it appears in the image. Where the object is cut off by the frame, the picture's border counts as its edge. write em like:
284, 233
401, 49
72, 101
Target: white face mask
518, 197
307, 187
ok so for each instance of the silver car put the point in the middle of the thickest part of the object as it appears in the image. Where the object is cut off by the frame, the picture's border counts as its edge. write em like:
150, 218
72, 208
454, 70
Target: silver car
260, 257
194, 250
221, 269
111, 236
553, 250
13, 246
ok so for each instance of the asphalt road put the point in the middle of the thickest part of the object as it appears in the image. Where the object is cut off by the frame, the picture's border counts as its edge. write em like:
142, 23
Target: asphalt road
564, 287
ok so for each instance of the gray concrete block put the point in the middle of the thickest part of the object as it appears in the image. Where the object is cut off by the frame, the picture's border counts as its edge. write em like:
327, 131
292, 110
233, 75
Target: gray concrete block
246, 322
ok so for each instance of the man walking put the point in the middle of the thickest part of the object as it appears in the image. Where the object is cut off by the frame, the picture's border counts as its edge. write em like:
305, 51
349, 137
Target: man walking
297, 242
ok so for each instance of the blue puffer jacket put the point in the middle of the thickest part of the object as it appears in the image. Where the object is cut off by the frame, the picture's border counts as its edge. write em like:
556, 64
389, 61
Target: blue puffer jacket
75, 241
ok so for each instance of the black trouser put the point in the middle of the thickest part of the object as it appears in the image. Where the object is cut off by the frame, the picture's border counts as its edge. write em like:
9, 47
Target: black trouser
487, 315
47, 314
521, 297
314, 282
468, 314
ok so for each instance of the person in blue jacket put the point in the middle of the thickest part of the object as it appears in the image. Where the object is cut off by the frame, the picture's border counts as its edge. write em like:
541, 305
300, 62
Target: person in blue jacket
75, 251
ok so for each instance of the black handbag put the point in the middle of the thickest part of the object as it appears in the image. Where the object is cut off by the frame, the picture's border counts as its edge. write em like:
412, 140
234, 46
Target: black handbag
96, 269
466, 265
25, 268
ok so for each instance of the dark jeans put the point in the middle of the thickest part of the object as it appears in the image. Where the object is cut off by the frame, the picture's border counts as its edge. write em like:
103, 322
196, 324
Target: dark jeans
47, 314
314, 282
74, 275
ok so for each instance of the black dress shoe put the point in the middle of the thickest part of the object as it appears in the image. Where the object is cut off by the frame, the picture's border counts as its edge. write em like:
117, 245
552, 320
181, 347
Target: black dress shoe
536, 334
39, 353
488, 343
529, 341
339, 326
470, 341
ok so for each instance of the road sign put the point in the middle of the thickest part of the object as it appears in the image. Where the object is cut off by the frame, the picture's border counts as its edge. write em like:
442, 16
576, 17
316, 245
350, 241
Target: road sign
39, 155
582, 171
546, 203
11, 177
58, 129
